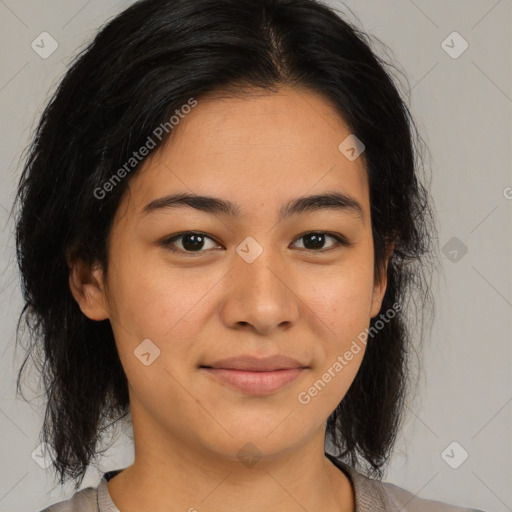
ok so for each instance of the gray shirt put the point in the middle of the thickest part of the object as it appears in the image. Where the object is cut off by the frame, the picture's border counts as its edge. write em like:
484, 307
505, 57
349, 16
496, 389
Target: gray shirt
370, 496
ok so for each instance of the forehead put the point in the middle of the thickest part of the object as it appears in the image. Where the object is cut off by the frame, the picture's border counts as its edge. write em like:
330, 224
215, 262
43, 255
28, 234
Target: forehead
259, 147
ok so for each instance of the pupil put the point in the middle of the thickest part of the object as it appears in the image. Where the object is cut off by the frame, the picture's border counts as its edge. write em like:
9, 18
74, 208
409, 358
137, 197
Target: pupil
193, 242
318, 241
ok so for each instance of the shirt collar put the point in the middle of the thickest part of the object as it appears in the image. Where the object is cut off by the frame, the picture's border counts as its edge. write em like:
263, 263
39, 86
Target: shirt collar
369, 495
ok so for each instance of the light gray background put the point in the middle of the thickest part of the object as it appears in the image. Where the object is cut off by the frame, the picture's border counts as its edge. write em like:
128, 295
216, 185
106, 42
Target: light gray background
463, 109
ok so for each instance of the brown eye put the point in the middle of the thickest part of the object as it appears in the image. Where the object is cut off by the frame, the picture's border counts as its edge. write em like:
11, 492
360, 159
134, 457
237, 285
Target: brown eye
315, 241
190, 242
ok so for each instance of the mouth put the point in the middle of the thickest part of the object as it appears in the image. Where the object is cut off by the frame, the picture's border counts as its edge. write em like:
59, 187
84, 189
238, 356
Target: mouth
255, 376
255, 382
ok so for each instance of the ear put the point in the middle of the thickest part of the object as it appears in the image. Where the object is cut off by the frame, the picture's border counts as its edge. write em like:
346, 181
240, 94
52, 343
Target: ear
87, 286
379, 288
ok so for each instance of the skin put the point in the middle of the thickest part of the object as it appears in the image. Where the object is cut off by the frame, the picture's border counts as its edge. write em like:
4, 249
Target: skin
259, 150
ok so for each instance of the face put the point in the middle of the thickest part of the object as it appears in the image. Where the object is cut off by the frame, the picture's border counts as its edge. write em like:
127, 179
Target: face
264, 277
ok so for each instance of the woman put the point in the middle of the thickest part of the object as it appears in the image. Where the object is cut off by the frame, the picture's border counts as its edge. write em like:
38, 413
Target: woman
221, 225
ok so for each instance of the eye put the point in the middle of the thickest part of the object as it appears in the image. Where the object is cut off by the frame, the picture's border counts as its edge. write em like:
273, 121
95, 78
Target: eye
191, 241
316, 240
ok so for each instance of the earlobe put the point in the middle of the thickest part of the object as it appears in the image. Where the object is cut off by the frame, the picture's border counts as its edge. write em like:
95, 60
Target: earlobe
86, 285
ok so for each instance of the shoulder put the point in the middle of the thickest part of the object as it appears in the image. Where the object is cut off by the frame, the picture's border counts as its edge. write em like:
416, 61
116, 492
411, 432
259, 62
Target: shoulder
407, 501
373, 495
85, 500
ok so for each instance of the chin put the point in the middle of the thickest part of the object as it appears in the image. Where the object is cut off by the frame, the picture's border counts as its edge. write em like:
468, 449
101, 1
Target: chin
253, 440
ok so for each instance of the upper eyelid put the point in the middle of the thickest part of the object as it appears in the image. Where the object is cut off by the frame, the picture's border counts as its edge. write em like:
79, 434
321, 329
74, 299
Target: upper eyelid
179, 235
340, 239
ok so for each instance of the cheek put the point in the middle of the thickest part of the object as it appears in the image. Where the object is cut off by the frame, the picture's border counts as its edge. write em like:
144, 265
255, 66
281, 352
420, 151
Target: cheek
147, 295
340, 306
341, 298
342, 313
166, 305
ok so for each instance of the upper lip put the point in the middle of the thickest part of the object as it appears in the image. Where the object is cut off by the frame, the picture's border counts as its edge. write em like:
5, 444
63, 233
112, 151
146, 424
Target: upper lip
257, 364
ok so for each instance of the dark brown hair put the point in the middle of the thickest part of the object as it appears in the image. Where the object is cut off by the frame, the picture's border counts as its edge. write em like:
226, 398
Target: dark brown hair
142, 66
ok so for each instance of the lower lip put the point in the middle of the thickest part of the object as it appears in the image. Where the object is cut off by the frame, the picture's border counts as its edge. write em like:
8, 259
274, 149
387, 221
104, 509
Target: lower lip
255, 383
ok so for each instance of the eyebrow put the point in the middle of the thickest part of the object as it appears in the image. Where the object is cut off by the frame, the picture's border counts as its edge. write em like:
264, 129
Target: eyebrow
214, 205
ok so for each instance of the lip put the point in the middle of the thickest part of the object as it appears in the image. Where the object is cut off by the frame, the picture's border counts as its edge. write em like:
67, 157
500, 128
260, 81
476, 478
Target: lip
255, 382
257, 364
255, 376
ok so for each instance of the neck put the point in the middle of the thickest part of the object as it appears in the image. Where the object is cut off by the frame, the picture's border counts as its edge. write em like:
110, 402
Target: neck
166, 471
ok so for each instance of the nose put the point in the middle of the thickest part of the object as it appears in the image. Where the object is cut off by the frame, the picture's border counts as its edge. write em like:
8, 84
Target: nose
260, 295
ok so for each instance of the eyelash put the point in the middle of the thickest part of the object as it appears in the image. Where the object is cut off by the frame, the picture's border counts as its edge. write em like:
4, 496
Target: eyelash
340, 242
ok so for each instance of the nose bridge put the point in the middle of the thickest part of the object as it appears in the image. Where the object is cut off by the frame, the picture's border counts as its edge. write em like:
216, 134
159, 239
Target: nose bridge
260, 290
261, 266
